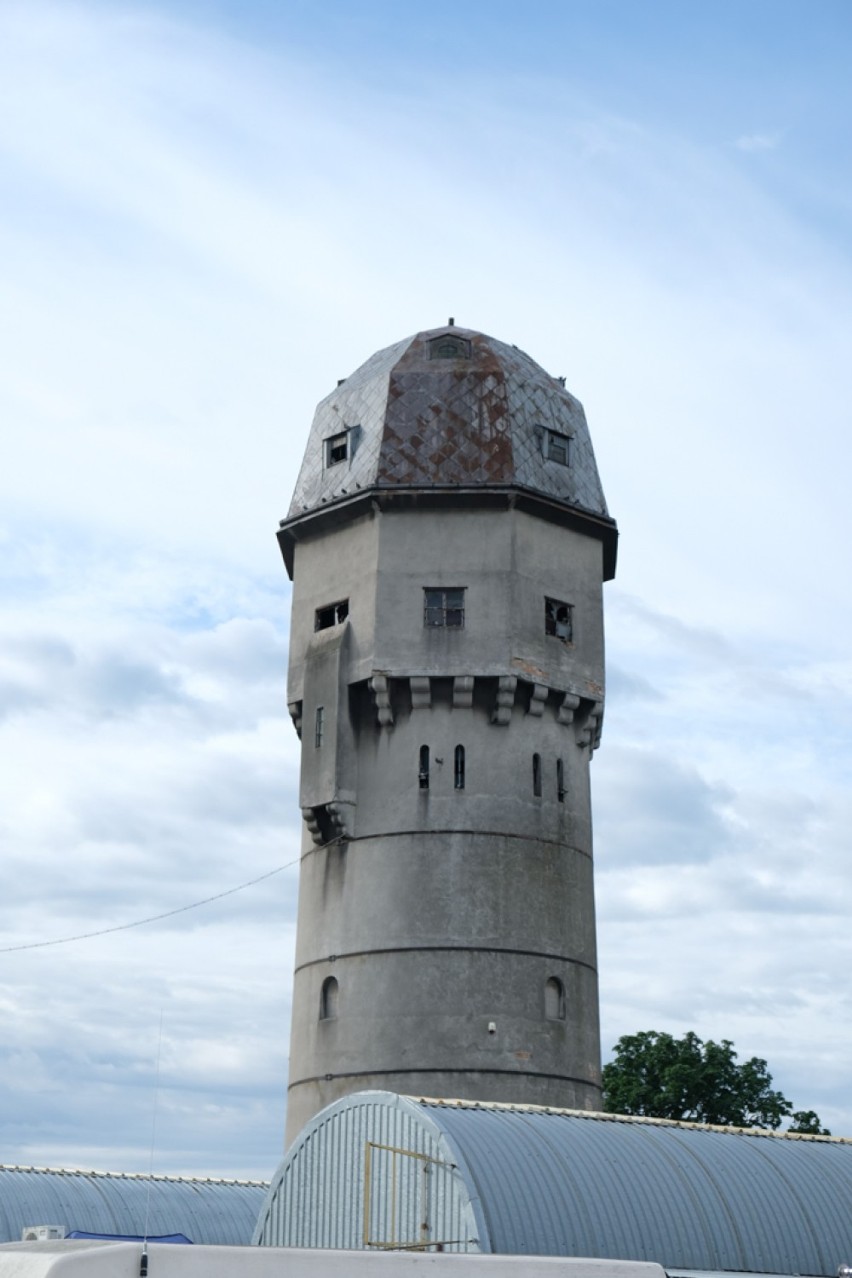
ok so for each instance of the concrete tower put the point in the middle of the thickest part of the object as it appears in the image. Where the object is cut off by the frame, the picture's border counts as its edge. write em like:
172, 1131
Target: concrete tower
448, 540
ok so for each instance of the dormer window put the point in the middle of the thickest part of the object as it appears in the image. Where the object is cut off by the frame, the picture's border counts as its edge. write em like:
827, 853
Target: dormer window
336, 448
557, 447
449, 347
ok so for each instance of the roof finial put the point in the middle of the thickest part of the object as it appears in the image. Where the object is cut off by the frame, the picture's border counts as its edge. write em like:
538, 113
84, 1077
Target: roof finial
451, 322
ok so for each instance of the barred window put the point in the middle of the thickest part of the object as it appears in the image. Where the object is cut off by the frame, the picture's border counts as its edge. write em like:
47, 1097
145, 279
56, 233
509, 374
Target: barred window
443, 606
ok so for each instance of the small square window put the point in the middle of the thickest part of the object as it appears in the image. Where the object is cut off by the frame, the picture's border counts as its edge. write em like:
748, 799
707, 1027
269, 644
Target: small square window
331, 615
443, 607
558, 619
336, 448
557, 447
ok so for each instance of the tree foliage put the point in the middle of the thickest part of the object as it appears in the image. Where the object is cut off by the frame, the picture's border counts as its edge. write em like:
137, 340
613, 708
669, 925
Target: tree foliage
662, 1077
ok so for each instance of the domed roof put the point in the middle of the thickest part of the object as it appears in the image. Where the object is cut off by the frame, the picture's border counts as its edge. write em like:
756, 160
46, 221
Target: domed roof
451, 409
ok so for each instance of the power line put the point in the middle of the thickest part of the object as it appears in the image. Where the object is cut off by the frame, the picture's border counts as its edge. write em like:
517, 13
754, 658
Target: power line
152, 918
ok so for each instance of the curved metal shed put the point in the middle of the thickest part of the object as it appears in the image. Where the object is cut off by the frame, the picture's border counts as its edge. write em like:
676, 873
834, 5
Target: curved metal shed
207, 1211
381, 1170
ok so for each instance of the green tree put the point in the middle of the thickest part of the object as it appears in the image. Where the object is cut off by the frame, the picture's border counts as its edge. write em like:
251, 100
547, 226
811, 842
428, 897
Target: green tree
662, 1077
806, 1122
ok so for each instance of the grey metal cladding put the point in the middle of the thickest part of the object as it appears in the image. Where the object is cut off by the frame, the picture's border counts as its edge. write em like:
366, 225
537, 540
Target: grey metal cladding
316, 1198
418, 421
207, 1211
571, 1183
687, 1197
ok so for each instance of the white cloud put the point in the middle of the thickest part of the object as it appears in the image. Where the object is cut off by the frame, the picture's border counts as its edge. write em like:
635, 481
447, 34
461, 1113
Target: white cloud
201, 237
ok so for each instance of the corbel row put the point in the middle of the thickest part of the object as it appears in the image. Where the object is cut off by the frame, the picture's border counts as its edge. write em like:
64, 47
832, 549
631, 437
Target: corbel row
584, 714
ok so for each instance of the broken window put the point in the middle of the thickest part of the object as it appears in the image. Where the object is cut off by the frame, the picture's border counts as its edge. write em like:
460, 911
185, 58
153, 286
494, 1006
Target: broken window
319, 724
336, 448
554, 999
560, 781
328, 999
537, 775
458, 769
331, 615
558, 620
557, 447
423, 771
449, 347
443, 607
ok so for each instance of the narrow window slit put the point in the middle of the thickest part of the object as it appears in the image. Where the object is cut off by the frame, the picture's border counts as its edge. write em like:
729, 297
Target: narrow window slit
458, 771
423, 774
537, 775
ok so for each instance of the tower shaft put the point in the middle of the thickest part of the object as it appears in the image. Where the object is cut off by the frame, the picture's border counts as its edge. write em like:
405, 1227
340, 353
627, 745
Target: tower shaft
446, 931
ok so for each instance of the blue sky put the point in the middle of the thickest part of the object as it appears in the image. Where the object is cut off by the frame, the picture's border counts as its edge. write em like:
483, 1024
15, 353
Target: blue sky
211, 212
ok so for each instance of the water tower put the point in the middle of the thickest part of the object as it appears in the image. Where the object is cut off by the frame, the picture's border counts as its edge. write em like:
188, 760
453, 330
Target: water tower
447, 541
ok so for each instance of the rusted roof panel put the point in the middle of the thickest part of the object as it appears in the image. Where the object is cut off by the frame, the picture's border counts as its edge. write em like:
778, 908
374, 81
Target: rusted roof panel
415, 417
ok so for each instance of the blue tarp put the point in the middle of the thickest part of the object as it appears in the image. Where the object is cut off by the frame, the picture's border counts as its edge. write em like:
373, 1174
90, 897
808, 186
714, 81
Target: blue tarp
164, 1238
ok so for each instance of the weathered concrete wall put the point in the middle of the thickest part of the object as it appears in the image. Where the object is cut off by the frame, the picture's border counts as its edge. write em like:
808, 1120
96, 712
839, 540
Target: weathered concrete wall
442, 912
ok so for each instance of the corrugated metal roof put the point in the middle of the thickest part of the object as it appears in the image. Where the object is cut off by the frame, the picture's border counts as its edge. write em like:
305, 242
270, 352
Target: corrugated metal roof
207, 1211
570, 1183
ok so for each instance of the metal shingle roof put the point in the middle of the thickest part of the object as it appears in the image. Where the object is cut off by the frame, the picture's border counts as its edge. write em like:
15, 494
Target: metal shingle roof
477, 420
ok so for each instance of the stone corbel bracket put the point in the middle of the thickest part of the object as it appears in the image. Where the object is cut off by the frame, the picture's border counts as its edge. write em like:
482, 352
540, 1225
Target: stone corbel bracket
538, 697
330, 821
421, 692
588, 727
463, 692
505, 699
380, 688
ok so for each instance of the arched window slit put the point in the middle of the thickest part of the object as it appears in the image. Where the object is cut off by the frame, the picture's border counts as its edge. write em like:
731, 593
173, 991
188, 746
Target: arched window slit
458, 770
328, 999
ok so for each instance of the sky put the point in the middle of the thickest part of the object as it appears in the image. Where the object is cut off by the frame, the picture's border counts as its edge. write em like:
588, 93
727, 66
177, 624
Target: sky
209, 213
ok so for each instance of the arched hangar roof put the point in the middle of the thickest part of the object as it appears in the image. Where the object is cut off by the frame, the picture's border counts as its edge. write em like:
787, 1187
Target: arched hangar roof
520, 1179
207, 1211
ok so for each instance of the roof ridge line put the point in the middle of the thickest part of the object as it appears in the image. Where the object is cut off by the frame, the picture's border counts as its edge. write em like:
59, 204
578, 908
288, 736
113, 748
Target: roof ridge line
604, 1115
120, 1175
